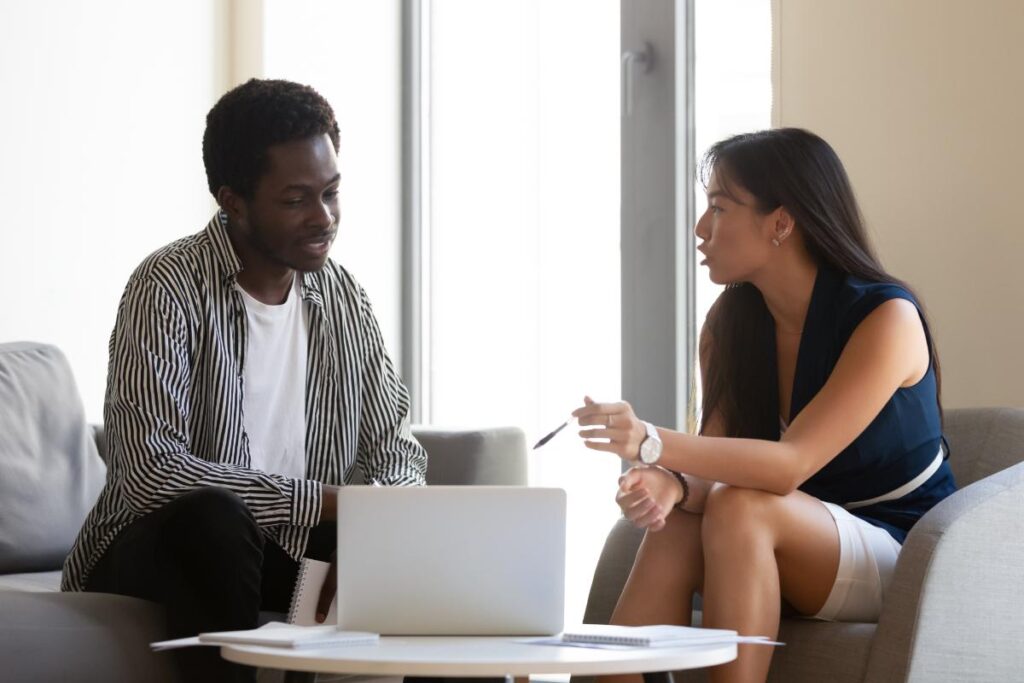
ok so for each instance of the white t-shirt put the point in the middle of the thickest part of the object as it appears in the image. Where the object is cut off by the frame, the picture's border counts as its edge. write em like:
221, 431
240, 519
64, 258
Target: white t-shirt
274, 383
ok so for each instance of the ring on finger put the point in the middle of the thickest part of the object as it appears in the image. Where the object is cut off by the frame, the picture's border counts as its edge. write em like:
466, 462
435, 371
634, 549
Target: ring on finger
608, 420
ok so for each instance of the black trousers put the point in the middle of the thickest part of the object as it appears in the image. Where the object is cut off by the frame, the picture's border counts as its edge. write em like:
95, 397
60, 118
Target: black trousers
203, 557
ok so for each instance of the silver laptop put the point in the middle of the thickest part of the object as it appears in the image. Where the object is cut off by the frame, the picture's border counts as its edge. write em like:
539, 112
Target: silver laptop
451, 560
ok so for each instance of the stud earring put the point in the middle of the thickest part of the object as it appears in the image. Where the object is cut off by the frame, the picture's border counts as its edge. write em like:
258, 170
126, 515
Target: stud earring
776, 242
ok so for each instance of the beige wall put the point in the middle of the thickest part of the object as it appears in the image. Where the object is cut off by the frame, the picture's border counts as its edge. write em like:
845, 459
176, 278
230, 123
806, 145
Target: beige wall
924, 102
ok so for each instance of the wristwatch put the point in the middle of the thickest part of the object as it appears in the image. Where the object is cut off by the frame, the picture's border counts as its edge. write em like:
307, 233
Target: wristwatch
650, 447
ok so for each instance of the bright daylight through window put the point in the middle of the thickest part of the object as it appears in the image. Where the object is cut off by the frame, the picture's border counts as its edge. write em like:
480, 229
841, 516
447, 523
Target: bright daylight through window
733, 90
525, 225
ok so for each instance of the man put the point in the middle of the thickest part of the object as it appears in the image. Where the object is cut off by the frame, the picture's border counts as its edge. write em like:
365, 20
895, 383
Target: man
248, 380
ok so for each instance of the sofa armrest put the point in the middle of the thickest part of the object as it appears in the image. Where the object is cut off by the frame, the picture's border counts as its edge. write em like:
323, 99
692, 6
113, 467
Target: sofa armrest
613, 567
953, 610
494, 456
100, 437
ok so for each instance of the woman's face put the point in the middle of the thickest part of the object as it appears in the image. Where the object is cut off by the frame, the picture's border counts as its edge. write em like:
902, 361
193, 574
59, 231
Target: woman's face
736, 237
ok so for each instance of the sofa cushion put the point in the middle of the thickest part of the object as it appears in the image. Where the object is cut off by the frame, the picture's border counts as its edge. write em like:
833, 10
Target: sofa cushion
81, 637
51, 473
817, 651
32, 582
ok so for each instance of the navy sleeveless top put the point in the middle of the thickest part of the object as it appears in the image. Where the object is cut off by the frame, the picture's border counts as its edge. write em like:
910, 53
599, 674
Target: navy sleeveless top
900, 443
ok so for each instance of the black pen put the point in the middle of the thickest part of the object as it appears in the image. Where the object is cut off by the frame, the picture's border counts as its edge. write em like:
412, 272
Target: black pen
552, 434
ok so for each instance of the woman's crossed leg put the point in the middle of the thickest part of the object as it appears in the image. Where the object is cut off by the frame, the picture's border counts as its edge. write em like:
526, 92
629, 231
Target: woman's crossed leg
745, 554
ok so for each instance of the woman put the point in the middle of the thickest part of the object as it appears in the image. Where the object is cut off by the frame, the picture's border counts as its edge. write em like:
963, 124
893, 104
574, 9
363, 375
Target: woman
821, 437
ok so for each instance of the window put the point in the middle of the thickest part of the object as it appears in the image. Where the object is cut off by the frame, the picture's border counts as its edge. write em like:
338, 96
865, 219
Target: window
349, 50
524, 252
733, 91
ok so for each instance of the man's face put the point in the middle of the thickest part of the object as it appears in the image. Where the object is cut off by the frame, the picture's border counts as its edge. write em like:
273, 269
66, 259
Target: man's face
292, 218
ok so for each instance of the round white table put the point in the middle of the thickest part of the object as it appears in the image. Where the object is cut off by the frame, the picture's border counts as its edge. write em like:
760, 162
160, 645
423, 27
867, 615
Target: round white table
437, 656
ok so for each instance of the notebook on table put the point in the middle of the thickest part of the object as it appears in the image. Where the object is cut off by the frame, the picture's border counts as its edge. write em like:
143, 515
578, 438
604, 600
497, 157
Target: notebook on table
451, 560
662, 635
290, 636
274, 634
646, 636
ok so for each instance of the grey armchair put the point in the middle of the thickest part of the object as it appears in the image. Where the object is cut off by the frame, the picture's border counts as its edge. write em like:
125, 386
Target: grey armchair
51, 469
955, 609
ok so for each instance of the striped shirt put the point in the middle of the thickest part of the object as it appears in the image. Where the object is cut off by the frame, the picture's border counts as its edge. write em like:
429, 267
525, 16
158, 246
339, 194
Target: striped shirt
173, 409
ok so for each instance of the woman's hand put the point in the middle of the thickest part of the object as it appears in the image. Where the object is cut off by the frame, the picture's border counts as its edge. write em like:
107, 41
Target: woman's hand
616, 422
647, 495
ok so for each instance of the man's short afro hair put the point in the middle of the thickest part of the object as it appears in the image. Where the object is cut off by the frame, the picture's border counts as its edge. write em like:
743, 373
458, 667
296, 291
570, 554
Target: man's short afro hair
252, 117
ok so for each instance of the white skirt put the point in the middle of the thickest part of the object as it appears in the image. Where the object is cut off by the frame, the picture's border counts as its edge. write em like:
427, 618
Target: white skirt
867, 560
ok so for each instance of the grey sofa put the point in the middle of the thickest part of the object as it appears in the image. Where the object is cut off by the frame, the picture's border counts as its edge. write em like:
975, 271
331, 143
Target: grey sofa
955, 610
51, 470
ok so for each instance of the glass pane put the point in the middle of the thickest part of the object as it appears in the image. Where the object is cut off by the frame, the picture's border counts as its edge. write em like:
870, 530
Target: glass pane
349, 50
525, 237
733, 91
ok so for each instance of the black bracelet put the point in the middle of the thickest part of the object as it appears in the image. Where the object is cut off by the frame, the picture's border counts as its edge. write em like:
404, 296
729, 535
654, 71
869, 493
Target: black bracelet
686, 488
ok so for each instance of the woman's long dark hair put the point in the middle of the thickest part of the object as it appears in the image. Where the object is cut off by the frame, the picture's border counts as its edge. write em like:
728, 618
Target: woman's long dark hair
795, 169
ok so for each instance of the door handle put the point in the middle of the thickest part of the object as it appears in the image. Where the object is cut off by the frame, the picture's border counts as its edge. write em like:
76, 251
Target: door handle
633, 62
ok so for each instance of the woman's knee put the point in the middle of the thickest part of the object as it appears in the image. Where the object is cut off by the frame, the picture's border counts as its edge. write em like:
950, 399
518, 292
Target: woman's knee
733, 511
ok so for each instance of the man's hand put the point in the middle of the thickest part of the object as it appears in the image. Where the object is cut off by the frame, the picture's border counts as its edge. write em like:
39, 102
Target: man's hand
328, 513
329, 504
327, 591
647, 495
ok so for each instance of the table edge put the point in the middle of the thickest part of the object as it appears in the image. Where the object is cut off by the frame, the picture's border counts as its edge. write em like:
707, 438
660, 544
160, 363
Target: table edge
662, 659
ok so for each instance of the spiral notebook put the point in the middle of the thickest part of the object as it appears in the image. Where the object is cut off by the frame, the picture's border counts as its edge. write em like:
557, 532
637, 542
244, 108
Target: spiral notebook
655, 636
308, 583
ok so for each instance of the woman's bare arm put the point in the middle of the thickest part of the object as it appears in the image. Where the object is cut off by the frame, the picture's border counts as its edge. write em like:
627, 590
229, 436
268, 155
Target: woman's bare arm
886, 351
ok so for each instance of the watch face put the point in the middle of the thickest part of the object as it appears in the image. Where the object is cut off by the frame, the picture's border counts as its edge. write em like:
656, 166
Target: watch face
650, 451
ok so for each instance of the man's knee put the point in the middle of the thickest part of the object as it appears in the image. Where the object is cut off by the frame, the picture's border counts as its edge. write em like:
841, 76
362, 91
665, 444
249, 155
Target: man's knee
213, 515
